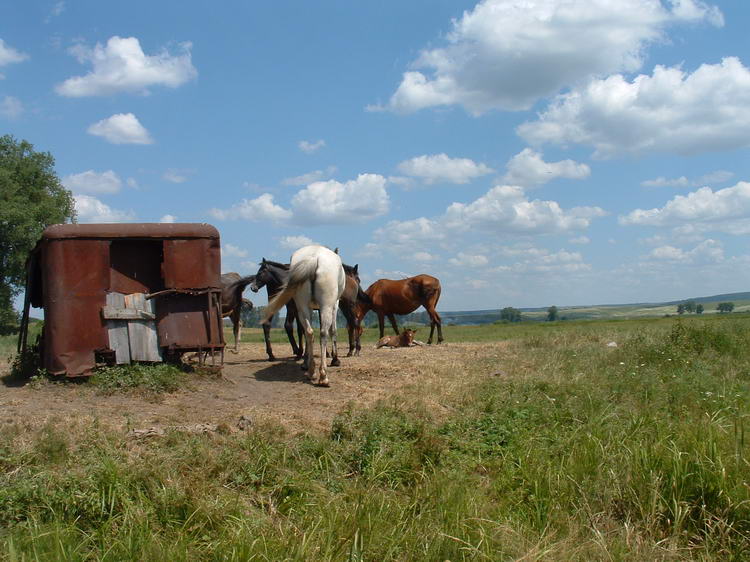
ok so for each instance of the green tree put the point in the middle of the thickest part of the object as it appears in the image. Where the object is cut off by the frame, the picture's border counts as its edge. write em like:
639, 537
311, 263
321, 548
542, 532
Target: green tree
699, 308
689, 306
681, 308
510, 314
552, 314
31, 198
725, 307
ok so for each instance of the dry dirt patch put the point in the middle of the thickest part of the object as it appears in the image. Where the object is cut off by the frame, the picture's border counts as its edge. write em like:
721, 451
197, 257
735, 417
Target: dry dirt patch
253, 387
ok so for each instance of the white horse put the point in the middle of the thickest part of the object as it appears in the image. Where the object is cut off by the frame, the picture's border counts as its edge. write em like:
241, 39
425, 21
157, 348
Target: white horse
316, 281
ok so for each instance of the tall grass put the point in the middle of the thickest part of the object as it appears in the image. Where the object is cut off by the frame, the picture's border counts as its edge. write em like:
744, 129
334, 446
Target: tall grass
574, 451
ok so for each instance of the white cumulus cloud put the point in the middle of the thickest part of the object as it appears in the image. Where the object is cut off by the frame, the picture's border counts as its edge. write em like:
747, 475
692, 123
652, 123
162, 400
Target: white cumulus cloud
90, 209
174, 175
308, 147
122, 66
506, 209
669, 111
259, 209
506, 54
334, 202
528, 169
93, 182
121, 128
11, 107
718, 176
168, 219
310, 177
437, 168
232, 251
708, 251
295, 242
725, 210
9, 55
469, 260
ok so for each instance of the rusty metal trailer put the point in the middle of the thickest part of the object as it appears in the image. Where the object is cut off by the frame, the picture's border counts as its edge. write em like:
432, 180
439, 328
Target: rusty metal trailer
116, 293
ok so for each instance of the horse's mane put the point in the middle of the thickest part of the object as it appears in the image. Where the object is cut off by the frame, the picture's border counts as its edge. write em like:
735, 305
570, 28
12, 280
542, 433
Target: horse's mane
279, 265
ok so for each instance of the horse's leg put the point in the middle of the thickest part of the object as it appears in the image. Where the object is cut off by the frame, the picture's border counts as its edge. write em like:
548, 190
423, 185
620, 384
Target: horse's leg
320, 323
236, 328
381, 323
291, 315
289, 328
325, 328
267, 337
333, 330
303, 317
392, 318
435, 319
351, 322
300, 337
358, 334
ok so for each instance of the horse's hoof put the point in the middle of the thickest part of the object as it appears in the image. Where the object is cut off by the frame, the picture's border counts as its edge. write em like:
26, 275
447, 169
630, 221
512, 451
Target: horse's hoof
335, 362
350, 354
233, 351
271, 358
324, 383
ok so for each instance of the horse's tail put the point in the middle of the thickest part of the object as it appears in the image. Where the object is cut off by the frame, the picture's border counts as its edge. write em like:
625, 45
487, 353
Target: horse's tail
304, 270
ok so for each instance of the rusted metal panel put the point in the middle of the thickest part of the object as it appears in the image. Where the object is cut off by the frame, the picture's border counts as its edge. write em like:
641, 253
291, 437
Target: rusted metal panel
131, 230
183, 271
76, 279
78, 272
135, 266
186, 321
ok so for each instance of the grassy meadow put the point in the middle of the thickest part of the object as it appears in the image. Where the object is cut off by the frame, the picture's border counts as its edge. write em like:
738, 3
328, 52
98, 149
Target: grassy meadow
566, 448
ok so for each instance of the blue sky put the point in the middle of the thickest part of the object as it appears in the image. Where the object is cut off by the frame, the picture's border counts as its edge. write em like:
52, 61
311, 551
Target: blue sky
525, 153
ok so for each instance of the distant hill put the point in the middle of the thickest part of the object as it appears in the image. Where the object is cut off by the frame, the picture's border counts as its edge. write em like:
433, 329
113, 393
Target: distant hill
633, 310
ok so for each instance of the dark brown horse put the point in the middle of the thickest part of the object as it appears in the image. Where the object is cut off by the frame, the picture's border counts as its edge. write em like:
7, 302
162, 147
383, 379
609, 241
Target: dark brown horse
232, 286
404, 296
352, 295
273, 276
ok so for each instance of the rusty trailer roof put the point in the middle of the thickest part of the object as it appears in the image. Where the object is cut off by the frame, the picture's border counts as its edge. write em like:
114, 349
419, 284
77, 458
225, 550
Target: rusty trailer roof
130, 230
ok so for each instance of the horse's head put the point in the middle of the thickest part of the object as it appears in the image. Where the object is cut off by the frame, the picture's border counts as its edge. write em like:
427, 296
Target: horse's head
261, 277
352, 271
407, 337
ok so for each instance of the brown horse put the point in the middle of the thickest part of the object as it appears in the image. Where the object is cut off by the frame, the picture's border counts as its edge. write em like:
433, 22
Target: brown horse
352, 295
232, 286
404, 296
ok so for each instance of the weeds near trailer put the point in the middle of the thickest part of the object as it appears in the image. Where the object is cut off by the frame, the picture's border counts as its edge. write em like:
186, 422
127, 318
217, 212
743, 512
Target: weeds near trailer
149, 378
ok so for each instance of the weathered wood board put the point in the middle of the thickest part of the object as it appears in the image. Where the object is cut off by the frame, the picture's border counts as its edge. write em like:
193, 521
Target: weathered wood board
144, 341
118, 330
132, 328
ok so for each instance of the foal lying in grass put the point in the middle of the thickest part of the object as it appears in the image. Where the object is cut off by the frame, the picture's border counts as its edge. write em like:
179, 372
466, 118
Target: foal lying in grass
405, 339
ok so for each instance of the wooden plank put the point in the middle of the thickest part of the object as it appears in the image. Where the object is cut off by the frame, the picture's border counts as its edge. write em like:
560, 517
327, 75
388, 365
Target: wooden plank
115, 313
117, 330
144, 342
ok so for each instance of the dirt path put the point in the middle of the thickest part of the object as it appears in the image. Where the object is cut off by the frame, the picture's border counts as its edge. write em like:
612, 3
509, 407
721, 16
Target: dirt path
253, 387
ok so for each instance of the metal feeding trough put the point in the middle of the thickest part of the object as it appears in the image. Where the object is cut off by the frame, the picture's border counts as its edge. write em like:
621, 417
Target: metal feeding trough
116, 293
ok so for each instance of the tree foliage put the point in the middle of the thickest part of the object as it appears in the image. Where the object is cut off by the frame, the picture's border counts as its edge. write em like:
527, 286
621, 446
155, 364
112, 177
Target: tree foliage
725, 307
699, 308
510, 314
31, 198
552, 314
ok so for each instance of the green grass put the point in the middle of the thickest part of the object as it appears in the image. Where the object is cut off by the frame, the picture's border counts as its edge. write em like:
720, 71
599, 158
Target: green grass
578, 451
